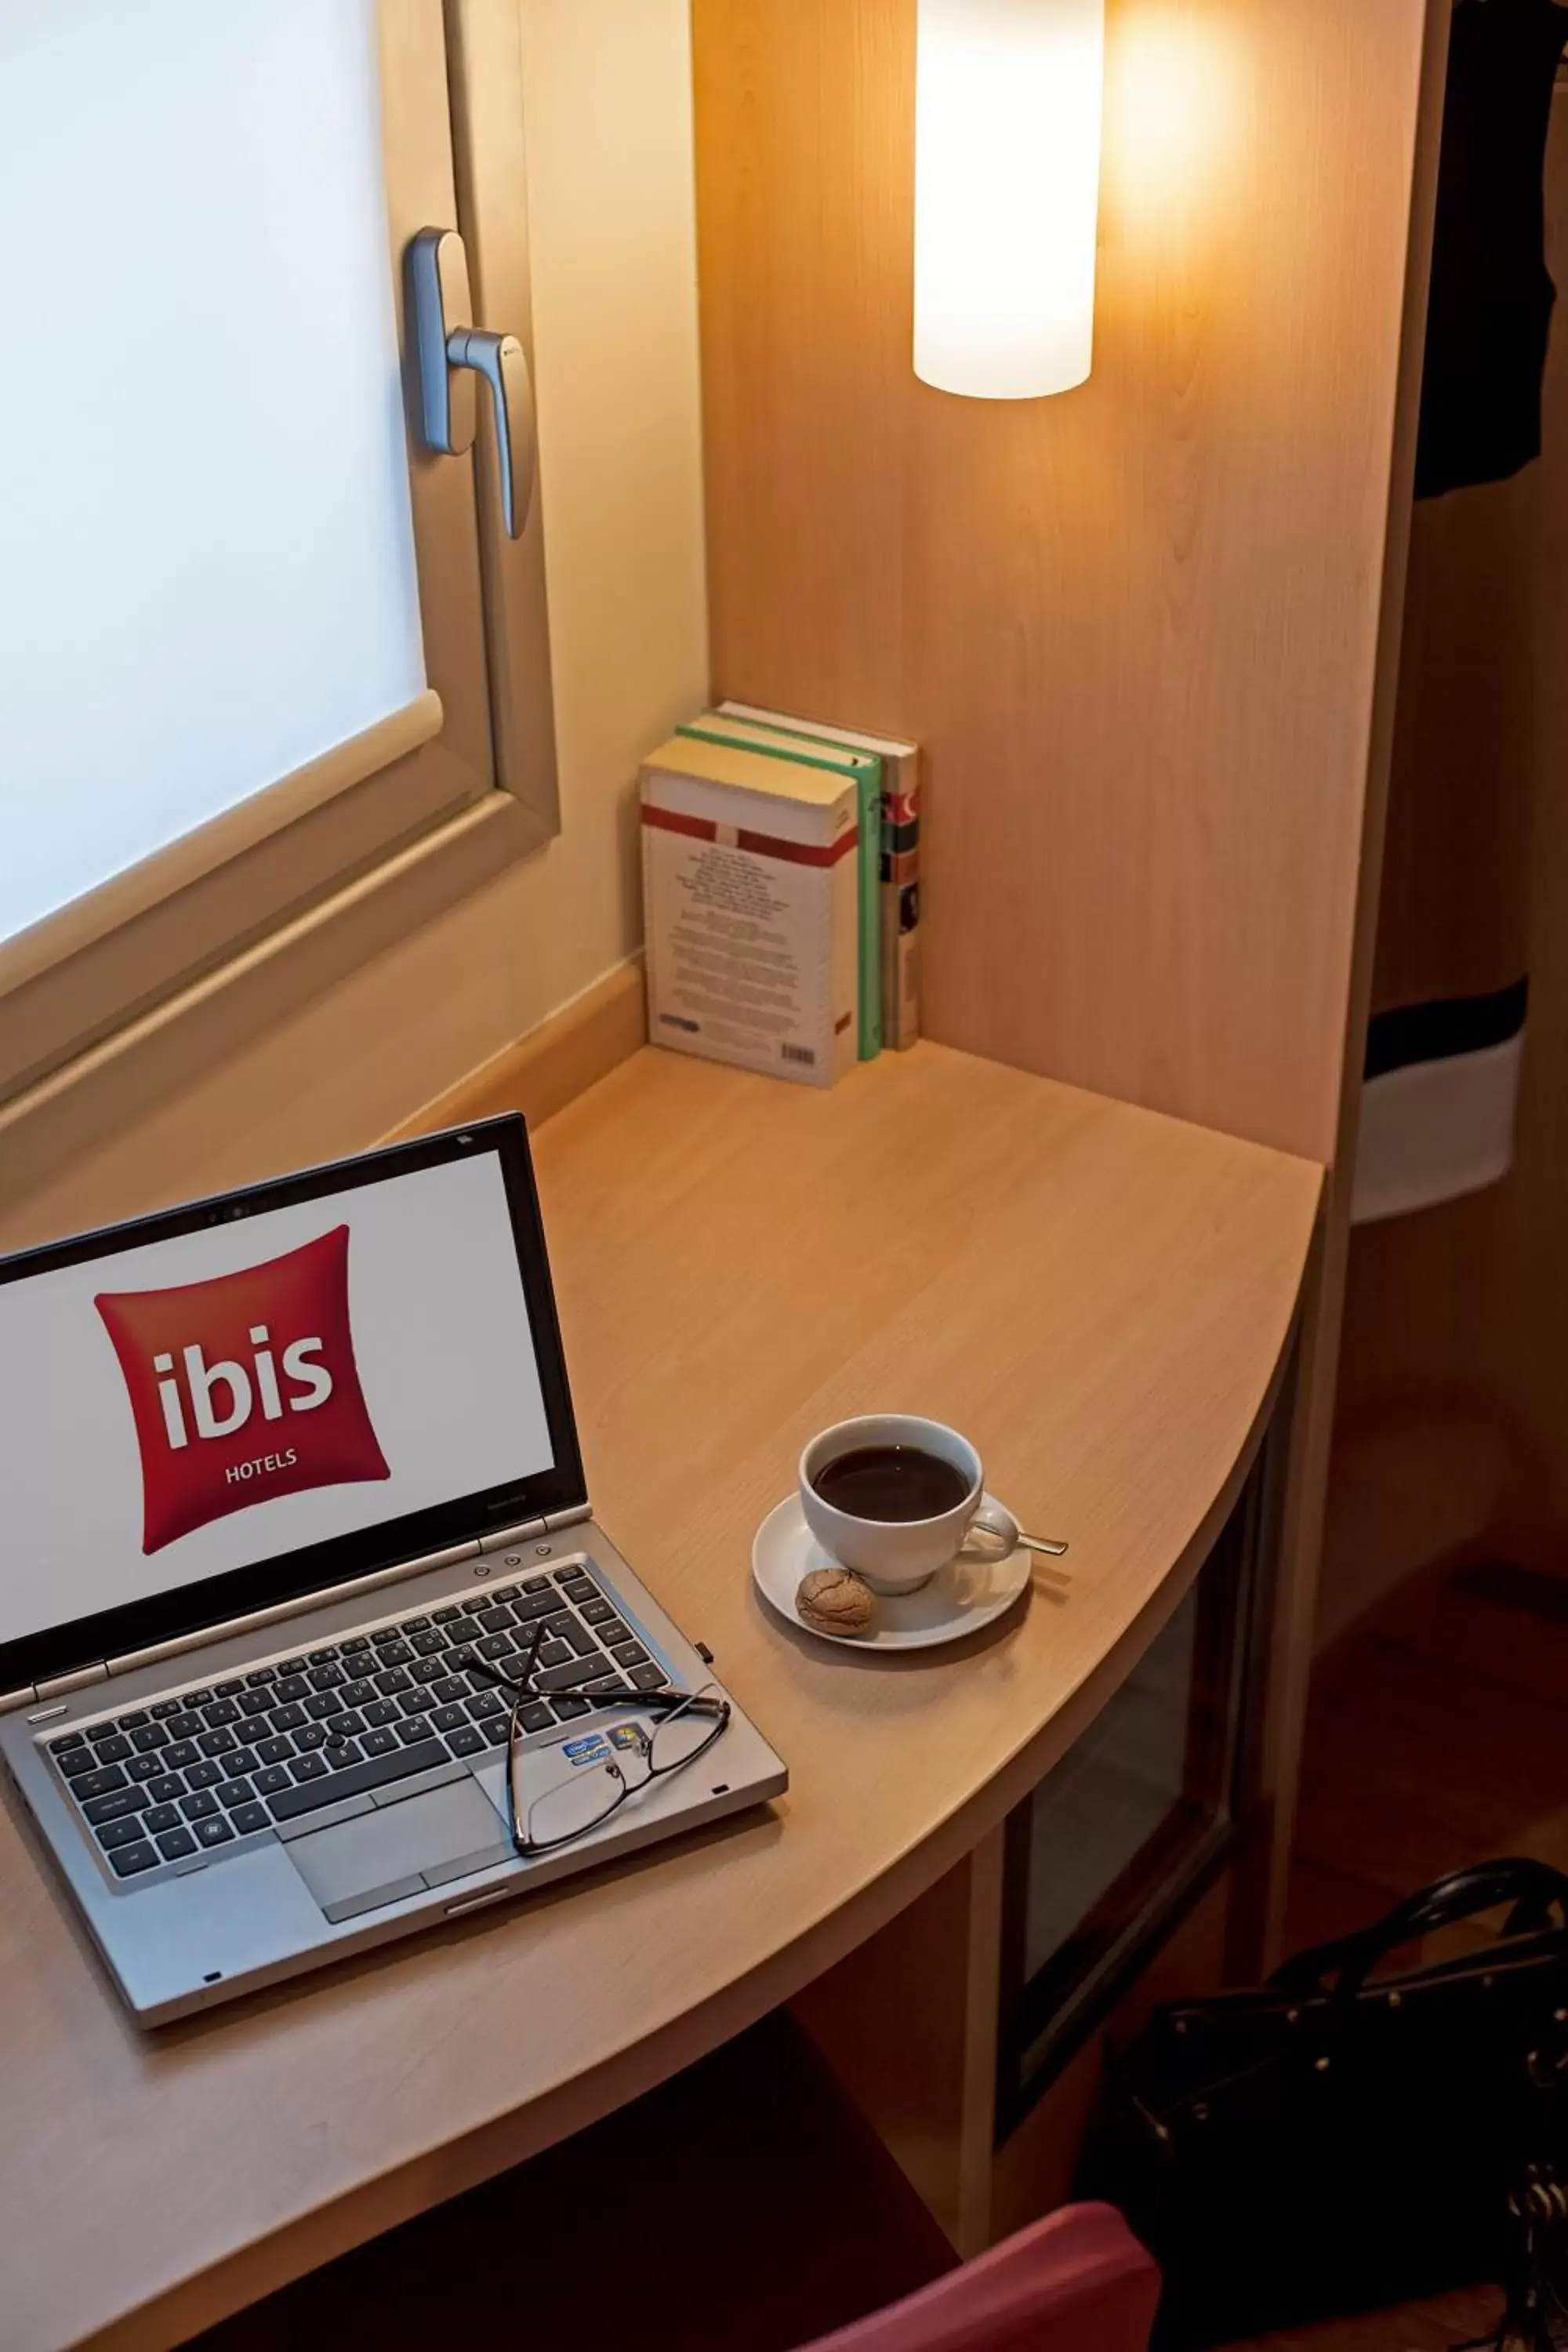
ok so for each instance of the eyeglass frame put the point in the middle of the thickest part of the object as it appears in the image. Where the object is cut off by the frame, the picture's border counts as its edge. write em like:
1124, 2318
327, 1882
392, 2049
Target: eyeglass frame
670, 1698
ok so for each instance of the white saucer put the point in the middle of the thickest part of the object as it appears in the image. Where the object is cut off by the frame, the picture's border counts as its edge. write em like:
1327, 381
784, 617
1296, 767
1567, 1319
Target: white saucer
969, 1593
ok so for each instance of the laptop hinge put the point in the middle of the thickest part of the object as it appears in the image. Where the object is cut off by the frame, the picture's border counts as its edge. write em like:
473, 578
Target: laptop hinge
259, 1619
11, 1700
577, 1517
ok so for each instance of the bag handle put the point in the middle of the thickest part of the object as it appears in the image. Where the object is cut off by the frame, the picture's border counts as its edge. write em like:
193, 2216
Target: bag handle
1532, 1888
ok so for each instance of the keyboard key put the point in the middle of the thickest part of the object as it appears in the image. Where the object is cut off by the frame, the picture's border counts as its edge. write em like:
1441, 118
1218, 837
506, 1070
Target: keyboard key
186, 1727
222, 1710
580, 1588
77, 1761
486, 1702
204, 1776
307, 1767
567, 1710
261, 1676
553, 1654
355, 1642
536, 1584
611, 1631
274, 1751
136, 1720
375, 1772
216, 1743
612, 1687
324, 1657
393, 1681
327, 1678
149, 1739
255, 1702
460, 1660
380, 1711
292, 1666
582, 1639
311, 1736
648, 1677
347, 1726
291, 1687
323, 1704
536, 1604
629, 1654
231, 1690
464, 1628
428, 1645
158, 1818
596, 1611
536, 1716
233, 1792
248, 1819
287, 1718
175, 1844
497, 1645
67, 1739
418, 1702
214, 1833
394, 1654
581, 1670
428, 1670
567, 1575
130, 1859
414, 1731
199, 1808
339, 1752
379, 1743
497, 1619
359, 1693
167, 1788
145, 1768
498, 1733
416, 1624
183, 1752
450, 1688
114, 1808
99, 1783
113, 1750
270, 1779
166, 1709
442, 1616
242, 1761
117, 1833
196, 1697
448, 1718
467, 1742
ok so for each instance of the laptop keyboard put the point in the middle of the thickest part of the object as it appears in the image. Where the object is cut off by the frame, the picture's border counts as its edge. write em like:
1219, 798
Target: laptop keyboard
206, 1767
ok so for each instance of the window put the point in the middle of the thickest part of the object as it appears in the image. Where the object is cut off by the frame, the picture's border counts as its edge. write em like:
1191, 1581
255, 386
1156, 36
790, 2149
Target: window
255, 635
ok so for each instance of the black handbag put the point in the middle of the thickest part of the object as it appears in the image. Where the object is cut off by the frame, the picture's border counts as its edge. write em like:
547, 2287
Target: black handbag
1336, 2142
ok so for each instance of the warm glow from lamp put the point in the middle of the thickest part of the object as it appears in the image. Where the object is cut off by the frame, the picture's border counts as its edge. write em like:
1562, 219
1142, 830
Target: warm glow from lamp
1008, 118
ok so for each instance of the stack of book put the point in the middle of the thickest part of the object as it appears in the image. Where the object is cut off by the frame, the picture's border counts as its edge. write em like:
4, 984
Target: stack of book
781, 892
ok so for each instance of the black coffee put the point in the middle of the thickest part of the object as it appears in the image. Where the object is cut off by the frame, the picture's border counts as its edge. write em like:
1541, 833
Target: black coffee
891, 1482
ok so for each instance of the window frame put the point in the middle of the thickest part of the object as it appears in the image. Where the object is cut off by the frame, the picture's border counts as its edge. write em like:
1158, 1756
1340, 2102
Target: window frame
482, 736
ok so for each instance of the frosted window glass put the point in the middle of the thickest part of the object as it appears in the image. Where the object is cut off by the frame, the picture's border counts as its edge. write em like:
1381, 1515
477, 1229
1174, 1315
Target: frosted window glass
207, 555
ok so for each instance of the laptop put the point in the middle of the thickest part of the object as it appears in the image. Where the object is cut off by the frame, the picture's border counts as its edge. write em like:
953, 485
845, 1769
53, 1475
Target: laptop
290, 1482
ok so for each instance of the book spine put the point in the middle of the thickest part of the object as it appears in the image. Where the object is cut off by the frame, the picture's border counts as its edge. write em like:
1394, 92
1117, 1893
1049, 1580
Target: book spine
901, 896
871, 924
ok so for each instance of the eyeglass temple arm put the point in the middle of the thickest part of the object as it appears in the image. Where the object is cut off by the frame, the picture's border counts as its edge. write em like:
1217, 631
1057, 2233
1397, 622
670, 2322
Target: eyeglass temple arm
670, 1695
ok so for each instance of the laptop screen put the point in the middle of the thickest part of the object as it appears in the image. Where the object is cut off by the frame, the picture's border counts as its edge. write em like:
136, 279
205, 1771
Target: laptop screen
211, 1411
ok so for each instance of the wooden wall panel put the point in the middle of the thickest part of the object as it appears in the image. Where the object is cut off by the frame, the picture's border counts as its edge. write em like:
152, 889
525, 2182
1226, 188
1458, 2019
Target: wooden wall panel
1135, 624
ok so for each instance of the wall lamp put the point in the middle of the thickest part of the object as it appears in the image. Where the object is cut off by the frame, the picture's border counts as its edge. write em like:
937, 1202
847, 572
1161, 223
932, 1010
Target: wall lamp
1008, 102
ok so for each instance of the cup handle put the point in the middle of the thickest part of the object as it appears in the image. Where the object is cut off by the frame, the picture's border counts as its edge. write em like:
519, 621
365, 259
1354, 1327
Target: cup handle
993, 1522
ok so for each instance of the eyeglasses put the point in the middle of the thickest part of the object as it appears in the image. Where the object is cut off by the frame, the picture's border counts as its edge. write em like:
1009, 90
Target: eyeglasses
560, 1789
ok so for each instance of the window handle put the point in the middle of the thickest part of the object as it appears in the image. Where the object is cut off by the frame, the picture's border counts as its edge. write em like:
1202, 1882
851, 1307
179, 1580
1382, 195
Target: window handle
452, 353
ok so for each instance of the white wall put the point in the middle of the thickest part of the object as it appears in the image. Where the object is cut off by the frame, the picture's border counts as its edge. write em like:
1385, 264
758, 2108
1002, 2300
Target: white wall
612, 218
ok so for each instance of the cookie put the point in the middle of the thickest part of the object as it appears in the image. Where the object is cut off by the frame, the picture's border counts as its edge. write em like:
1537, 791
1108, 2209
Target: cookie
834, 1601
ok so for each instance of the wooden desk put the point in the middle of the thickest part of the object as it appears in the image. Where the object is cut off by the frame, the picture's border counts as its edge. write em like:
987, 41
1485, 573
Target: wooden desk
1099, 1296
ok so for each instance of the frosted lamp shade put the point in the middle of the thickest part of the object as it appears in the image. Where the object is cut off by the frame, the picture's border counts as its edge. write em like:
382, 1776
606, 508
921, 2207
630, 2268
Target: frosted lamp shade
1009, 98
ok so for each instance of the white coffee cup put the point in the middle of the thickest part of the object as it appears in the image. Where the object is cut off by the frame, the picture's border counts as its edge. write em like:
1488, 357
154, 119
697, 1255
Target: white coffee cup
899, 1555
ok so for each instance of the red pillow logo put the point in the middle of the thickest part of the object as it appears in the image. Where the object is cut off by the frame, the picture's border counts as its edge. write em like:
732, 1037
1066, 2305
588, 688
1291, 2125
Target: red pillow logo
243, 1388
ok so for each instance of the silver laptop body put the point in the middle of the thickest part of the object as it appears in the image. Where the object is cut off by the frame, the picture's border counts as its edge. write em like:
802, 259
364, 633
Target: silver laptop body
277, 1469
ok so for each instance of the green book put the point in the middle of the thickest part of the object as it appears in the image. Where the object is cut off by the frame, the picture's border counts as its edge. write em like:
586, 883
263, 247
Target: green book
865, 768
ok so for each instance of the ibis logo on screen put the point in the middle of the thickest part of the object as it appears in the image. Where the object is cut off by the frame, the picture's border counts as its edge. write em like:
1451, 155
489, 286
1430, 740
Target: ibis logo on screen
243, 1388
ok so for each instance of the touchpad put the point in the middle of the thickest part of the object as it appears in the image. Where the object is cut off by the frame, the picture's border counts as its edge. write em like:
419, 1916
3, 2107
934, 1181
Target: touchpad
399, 1850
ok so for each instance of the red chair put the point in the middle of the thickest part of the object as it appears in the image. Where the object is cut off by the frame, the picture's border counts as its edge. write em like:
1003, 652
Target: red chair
1077, 2282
